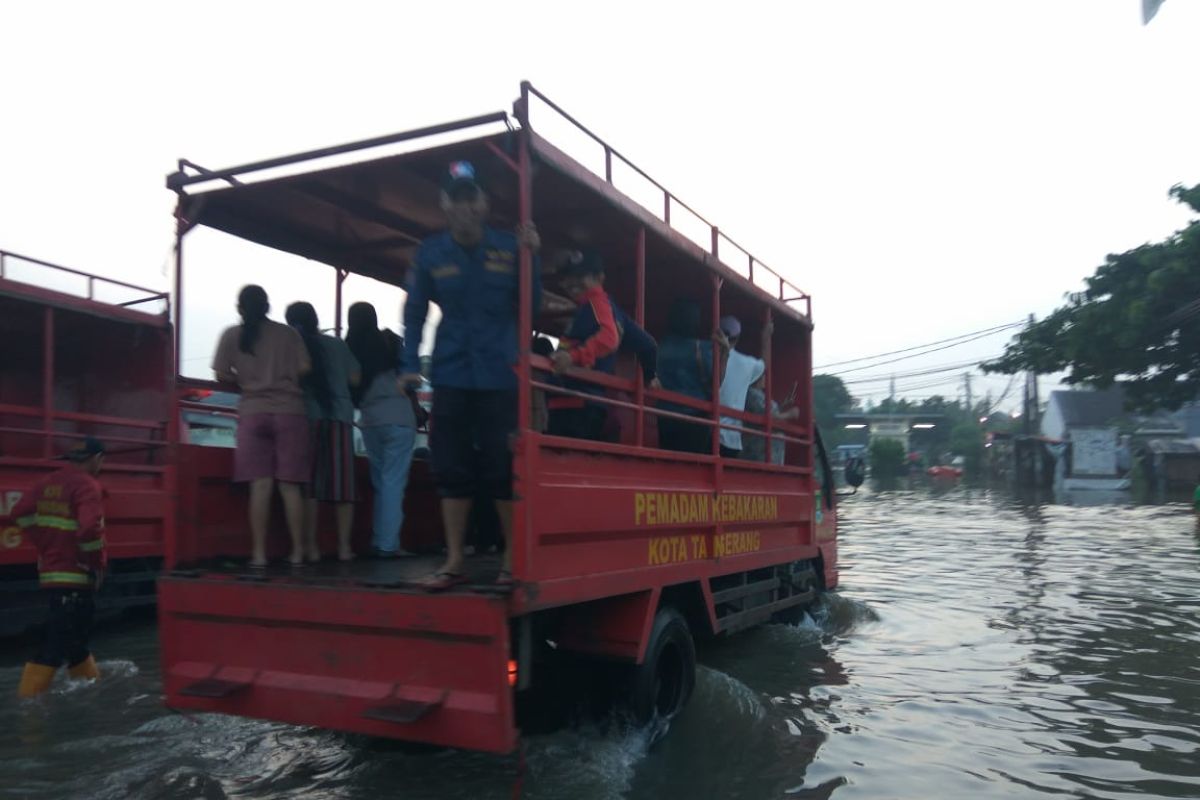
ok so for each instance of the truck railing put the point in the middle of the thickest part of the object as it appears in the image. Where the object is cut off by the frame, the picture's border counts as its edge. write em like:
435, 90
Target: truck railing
7, 257
779, 287
154, 440
712, 419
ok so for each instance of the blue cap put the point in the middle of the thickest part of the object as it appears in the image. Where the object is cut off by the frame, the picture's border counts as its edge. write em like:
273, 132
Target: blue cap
460, 176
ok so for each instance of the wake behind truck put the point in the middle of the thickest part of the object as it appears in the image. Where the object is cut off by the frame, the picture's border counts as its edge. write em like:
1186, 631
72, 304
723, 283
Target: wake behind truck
622, 552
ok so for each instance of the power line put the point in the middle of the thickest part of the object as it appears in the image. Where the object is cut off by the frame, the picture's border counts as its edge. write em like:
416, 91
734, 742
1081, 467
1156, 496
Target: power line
979, 333
914, 355
918, 373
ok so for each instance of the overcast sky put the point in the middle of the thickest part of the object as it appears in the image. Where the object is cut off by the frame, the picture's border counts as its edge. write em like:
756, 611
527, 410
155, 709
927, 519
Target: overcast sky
923, 168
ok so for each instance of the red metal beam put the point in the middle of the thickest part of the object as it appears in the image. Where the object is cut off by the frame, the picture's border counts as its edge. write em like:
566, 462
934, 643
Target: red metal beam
769, 385
178, 180
180, 228
522, 524
639, 314
47, 377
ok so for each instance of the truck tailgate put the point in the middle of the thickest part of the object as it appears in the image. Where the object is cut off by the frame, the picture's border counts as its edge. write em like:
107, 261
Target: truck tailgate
400, 664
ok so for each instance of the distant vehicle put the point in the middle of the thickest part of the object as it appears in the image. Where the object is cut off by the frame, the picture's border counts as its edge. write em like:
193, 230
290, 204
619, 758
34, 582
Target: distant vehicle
944, 472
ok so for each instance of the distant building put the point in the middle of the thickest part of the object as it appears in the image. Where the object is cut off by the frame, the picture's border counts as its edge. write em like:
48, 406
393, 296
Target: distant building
1188, 418
1097, 438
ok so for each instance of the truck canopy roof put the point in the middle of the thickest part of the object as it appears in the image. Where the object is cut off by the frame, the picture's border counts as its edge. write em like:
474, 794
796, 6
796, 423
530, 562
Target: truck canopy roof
368, 217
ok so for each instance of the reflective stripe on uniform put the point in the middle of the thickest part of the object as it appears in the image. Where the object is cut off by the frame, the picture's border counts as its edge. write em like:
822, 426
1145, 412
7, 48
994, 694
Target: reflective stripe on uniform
65, 577
47, 521
92, 546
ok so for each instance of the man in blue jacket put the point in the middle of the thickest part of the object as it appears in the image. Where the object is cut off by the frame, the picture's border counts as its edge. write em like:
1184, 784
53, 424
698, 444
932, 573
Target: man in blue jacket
472, 271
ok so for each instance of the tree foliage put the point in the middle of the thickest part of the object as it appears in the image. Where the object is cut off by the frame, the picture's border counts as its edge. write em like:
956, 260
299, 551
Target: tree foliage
888, 459
830, 398
1136, 321
966, 440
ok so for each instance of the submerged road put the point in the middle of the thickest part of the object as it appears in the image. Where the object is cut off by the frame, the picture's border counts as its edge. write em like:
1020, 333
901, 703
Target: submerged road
979, 647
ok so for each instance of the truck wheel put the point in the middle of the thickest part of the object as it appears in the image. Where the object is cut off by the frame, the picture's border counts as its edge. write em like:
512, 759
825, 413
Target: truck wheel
663, 683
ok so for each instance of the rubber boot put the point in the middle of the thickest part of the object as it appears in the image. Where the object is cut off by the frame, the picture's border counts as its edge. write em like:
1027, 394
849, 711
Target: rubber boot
85, 669
35, 679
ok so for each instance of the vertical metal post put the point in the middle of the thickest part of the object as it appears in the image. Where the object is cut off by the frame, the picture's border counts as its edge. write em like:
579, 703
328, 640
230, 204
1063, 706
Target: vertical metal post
179, 228
170, 475
768, 385
337, 301
3, 256
91, 288
716, 240
522, 544
608, 163
666, 207
751, 268
781, 287
48, 381
715, 444
639, 314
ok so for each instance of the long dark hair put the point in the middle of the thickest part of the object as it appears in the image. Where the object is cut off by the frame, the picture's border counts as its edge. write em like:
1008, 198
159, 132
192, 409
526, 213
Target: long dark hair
303, 317
376, 352
684, 318
253, 307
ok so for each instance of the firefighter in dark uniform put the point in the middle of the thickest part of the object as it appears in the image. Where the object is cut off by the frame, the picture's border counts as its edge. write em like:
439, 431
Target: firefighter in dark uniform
63, 516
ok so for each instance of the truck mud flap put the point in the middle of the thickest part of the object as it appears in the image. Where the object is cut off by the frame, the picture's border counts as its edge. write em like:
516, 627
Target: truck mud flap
404, 665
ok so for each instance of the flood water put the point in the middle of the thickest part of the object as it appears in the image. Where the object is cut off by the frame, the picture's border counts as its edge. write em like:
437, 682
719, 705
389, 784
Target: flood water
978, 647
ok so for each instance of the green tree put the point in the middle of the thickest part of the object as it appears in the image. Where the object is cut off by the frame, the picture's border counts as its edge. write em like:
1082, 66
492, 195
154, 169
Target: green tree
1137, 321
887, 459
830, 398
966, 440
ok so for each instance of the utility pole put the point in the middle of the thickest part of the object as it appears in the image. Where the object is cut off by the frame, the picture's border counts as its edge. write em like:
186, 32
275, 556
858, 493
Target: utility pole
1033, 425
970, 403
892, 389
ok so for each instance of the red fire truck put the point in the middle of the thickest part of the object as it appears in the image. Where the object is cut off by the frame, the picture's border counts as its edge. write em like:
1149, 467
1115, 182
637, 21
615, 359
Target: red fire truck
622, 552
84, 356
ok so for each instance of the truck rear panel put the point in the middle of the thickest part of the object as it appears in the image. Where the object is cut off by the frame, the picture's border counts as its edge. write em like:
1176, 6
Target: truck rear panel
384, 661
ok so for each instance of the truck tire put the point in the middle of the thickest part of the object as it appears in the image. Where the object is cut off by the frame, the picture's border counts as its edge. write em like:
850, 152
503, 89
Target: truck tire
663, 683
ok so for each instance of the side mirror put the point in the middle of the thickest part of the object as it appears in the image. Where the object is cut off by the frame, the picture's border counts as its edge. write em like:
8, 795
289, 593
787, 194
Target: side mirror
855, 472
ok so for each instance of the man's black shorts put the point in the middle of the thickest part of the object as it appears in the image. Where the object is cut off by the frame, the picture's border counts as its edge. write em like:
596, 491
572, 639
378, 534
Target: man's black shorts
470, 441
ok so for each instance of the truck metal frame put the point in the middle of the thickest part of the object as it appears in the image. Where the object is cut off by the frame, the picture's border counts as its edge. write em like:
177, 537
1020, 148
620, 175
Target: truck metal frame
617, 546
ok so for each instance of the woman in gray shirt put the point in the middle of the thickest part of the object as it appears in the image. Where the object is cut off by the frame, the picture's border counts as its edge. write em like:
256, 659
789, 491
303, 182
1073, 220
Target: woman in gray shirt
387, 422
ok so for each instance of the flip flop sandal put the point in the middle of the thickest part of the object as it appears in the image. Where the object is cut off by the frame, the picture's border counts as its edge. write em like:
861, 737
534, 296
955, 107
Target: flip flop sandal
441, 581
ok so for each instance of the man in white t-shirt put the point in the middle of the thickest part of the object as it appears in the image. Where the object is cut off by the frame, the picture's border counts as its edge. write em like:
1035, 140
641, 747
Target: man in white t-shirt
741, 372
